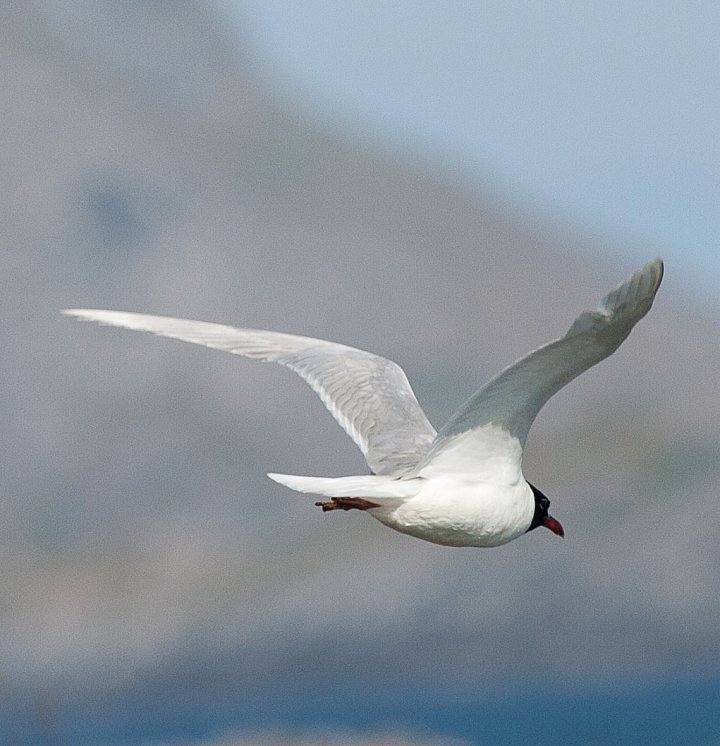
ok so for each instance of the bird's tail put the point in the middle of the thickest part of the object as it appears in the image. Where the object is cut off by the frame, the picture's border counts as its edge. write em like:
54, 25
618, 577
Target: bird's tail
370, 486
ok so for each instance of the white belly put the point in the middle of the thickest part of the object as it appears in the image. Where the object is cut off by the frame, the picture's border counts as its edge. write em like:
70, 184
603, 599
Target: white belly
462, 513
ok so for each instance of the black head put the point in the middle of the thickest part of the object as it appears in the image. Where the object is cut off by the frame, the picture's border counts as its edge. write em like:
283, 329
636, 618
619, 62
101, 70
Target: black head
541, 517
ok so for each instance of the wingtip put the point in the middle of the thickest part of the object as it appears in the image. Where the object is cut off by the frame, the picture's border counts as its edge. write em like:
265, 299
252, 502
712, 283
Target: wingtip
634, 296
661, 269
102, 316
86, 314
657, 266
654, 272
81, 314
644, 282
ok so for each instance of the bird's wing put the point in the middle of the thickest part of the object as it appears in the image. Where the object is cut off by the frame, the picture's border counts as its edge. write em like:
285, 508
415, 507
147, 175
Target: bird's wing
368, 395
495, 421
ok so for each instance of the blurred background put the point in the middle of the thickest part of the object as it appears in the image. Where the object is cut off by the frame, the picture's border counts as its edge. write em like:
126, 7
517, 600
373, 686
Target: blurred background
444, 183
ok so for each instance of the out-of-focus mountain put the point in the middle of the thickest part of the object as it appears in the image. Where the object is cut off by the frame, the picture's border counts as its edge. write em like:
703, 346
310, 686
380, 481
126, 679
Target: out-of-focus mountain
145, 169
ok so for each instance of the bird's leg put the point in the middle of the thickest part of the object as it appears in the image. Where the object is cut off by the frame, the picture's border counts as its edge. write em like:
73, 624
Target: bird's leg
347, 503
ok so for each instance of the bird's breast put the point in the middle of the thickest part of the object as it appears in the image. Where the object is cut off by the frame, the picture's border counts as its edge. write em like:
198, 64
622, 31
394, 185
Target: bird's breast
462, 512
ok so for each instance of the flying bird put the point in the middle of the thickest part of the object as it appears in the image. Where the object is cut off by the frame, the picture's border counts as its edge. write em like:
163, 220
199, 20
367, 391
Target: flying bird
461, 486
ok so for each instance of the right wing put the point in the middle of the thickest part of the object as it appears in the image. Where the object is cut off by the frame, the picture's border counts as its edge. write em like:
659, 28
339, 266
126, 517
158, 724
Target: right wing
495, 421
368, 395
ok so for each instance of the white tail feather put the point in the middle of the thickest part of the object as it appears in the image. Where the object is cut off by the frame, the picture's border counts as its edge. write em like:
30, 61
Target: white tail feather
370, 486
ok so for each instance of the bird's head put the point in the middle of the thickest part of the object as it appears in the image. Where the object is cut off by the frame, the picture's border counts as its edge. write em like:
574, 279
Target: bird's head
541, 517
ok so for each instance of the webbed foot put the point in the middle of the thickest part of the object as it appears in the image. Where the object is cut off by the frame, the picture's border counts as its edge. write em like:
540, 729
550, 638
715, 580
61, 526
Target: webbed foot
347, 503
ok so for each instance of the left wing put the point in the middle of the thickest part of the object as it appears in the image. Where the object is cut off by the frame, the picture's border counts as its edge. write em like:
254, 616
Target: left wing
505, 408
368, 395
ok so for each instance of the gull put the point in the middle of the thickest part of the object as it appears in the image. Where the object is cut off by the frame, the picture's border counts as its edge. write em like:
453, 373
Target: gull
461, 486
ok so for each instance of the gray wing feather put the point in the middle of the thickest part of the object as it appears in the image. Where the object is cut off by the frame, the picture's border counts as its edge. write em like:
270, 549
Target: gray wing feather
514, 397
368, 395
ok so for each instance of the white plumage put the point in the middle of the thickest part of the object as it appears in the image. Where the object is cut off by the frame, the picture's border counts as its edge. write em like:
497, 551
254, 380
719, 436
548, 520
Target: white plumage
462, 486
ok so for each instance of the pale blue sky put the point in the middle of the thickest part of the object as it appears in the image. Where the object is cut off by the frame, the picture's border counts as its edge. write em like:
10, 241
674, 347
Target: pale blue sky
604, 116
